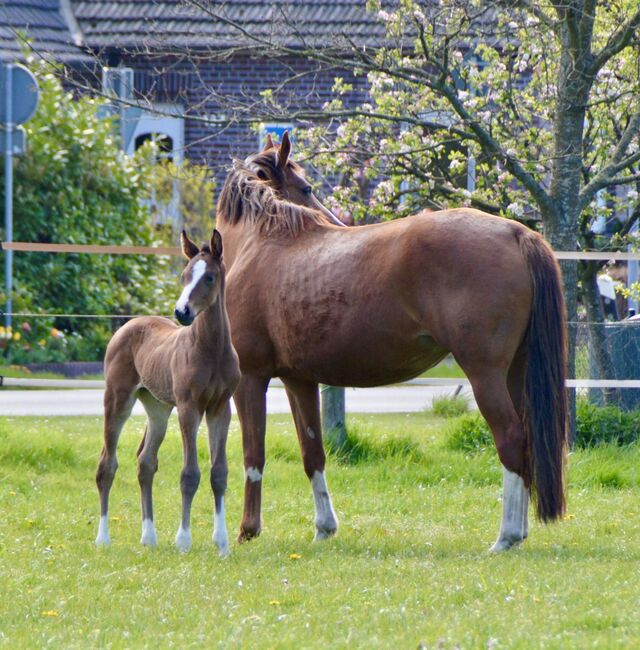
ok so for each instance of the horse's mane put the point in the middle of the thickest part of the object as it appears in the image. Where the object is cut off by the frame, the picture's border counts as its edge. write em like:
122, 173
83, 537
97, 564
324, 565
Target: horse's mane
245, 197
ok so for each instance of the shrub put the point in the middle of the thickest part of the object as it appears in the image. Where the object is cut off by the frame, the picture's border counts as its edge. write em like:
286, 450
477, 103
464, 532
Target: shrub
470, 434
74, 185
450, 407
597, 425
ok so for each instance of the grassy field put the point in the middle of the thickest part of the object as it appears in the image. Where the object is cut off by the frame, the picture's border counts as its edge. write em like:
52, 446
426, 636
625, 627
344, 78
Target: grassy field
409, 567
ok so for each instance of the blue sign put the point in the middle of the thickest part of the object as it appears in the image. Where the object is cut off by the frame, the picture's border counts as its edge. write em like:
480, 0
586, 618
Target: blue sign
25, 94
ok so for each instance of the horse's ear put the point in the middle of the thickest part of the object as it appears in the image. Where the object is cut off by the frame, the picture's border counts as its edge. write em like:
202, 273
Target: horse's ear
268, 143
285, 150
216, 244
189, 249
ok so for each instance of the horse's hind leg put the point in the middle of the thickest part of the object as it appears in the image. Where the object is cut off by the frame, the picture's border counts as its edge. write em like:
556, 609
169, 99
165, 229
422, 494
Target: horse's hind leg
157, 418
118, 402
496, 405
189, 416
515, 495
304, 400
218, 427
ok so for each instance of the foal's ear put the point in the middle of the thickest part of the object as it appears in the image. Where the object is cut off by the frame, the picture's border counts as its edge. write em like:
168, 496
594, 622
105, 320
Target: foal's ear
189, 249
285, 150
216, 244
268, 143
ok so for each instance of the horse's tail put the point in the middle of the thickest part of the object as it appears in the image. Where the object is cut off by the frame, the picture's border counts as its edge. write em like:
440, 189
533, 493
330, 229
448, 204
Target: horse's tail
545, 398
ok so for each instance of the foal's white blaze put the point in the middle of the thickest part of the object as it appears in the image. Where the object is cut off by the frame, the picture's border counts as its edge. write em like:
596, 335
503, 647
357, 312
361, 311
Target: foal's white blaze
103, 532
220, 536
253, 474
196, 273
183, 539
326, 520
515, 507
148, 537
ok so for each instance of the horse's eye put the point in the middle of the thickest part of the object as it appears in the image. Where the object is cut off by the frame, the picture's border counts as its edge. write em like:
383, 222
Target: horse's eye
209, 278
306, 190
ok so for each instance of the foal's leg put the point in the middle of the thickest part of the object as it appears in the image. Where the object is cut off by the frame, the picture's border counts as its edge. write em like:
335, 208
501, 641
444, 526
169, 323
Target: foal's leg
157, 417
218, 426
304, 399
496, 405
189, 416
251, 402
118, 402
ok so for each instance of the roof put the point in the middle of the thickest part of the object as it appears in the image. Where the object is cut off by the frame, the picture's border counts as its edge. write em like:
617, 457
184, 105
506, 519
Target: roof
142, 25
45, 23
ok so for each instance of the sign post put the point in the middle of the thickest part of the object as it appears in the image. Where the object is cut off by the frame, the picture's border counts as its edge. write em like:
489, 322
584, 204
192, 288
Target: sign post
21, 96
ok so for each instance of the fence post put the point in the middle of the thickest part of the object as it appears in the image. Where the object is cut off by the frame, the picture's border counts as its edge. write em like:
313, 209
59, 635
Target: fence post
333, 416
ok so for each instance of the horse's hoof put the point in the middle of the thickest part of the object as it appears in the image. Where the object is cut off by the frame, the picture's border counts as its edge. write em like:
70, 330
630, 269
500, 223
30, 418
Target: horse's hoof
247, 534
102, 541
183, 540
505, 543
224, 550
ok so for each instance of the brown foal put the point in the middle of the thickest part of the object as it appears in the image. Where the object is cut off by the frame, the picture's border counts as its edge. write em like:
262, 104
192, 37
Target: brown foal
312, 303
192, 368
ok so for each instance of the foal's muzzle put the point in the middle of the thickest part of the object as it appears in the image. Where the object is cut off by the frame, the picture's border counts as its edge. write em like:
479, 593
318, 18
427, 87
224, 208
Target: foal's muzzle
185, 316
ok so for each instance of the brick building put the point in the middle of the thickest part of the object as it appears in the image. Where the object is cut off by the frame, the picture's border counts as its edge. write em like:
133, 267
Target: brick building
189, 65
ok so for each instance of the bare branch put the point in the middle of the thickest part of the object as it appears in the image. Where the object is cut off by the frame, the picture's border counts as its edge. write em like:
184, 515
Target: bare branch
618, 41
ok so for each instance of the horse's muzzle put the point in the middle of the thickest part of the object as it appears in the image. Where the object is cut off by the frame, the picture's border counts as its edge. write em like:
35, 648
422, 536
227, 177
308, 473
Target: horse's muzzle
184, 317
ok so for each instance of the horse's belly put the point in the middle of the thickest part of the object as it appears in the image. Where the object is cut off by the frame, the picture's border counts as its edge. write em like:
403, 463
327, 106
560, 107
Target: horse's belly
363, 363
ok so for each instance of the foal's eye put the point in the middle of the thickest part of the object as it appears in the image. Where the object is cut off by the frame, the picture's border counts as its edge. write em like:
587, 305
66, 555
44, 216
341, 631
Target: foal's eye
209, 279
306, 190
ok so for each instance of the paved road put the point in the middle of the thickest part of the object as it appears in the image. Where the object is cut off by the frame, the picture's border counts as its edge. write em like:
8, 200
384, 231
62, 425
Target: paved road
89, 401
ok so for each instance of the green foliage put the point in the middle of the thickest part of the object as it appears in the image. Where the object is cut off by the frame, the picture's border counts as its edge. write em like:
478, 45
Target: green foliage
450, 407
194, 186
470, 434
597, 425
75, 186
369, 446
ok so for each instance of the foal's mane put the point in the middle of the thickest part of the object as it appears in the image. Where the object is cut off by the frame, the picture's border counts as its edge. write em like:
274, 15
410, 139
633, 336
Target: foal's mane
247, 198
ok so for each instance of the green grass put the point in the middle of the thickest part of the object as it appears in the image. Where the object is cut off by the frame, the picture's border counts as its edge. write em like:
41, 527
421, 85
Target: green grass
409, 565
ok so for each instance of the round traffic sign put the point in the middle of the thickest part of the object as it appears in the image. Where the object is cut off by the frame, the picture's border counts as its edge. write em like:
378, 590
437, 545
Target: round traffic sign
25, 93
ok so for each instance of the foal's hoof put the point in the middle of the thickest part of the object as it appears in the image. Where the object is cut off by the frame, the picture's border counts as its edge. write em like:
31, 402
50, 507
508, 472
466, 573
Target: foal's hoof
148, 537
102, 542
506, 543
324, 533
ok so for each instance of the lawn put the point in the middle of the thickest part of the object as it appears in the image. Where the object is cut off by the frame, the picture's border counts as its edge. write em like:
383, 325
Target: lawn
409, 567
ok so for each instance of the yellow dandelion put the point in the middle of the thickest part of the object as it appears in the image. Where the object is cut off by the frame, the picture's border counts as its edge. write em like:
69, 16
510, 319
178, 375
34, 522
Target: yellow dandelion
115, 518
569, 516
274, 602
51, 613
294, 556
16, 336
12, 493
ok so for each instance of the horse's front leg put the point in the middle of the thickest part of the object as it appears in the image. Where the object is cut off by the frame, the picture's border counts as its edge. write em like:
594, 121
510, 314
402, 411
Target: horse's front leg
189, 416
218, 426
305, 405
251, 403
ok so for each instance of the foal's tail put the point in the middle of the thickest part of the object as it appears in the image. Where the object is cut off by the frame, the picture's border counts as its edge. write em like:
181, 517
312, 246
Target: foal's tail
545, 401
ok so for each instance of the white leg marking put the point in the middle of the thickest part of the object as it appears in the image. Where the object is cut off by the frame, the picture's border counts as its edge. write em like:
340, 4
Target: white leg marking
103, 538
326, 520
253, 474
149, 537
183, 539
220, 536
515, 508
196, 273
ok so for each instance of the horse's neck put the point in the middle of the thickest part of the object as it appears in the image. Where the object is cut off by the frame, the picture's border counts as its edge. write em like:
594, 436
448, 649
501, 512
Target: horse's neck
233, 237
211, 328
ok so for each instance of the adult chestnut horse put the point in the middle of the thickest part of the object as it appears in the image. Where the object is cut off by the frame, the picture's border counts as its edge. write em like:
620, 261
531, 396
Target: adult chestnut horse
311, 302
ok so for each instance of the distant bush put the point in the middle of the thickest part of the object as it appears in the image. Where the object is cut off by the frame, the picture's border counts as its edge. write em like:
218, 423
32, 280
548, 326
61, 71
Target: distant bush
450, 407
470, 433
597, 425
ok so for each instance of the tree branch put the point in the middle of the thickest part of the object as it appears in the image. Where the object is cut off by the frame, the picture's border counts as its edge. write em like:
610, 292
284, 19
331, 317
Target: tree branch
616, 43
